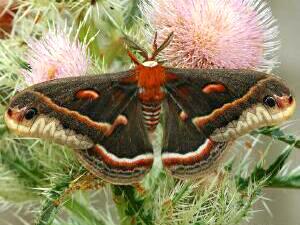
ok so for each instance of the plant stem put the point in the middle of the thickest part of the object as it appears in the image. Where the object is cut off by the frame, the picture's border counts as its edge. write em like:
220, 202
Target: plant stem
278, 134
288, 181
82, 213
49, 207
260, 174
130, 207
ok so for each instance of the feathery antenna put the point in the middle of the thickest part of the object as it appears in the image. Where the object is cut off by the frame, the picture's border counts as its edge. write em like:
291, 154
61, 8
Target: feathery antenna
156, 50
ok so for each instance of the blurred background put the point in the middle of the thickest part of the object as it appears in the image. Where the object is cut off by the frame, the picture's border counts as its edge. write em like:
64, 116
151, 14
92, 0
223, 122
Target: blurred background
285, 204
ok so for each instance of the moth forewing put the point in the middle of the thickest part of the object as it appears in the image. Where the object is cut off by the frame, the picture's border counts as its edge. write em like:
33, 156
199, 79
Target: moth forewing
107, 118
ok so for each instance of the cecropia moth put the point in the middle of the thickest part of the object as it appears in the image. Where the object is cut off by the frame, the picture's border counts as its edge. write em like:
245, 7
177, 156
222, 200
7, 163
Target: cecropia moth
106, 119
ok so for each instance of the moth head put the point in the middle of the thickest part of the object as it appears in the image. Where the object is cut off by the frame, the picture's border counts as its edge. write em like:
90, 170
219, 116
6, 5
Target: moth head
23, 109
277, 99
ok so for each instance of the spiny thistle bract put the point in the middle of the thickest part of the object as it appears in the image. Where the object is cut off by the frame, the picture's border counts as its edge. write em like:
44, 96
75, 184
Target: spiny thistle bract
34, 172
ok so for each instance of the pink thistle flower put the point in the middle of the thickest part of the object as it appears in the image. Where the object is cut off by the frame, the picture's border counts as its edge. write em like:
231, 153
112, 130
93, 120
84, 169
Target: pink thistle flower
229, 34
55, 56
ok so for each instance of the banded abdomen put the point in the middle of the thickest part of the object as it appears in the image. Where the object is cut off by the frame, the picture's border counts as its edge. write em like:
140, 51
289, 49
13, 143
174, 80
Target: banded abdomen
151, 114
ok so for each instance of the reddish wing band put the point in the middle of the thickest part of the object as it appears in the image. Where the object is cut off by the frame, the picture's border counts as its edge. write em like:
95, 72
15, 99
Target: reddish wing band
125, 156
188, 149
104, 118
103, 111
187, 152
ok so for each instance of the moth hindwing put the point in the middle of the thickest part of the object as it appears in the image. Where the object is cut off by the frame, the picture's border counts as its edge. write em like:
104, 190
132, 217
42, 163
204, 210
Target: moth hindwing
106, 119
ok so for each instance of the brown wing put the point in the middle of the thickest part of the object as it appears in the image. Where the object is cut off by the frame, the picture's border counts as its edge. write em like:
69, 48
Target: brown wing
193, 97
99, 117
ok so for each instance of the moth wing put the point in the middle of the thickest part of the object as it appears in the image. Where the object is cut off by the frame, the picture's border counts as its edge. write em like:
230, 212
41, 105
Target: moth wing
126, 155
193, 139
105, 110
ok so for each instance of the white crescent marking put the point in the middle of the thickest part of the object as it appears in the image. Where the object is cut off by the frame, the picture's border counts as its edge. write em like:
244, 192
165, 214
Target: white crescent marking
199, 151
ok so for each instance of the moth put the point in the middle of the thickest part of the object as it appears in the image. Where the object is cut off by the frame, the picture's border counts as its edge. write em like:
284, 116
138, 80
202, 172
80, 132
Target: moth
107, 119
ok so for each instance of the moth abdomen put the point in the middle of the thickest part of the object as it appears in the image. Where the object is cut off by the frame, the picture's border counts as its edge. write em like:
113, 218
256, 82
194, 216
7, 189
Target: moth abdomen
151, 115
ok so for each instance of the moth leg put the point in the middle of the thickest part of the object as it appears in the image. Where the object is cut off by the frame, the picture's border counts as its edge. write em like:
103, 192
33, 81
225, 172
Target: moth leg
139, 188
83, 183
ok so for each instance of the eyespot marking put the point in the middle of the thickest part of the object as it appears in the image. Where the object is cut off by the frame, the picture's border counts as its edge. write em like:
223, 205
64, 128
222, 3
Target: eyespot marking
213, 88
183, 116
87, 94
269, 101
9, 112
30, 113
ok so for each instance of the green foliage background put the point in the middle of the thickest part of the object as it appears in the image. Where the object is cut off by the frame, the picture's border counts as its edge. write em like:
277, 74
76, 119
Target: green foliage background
44, 178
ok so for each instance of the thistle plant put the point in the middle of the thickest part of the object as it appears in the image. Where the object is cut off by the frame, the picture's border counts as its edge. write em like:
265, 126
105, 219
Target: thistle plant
47, 58
216, 34
55, 39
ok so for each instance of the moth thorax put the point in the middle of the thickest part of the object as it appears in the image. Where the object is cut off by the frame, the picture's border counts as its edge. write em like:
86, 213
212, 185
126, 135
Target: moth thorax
150, 64
150, 81
151, 115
